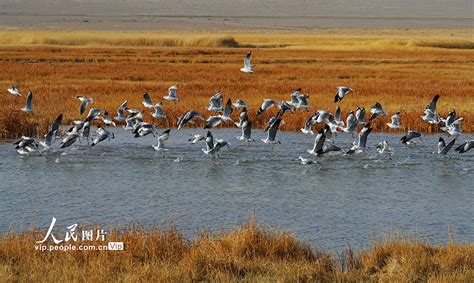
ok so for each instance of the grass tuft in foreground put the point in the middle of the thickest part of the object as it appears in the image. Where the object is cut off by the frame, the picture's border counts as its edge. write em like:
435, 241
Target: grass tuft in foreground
248, 252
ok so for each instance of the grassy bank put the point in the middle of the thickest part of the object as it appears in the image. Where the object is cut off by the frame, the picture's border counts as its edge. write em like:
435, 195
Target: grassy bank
402, 69
248, 252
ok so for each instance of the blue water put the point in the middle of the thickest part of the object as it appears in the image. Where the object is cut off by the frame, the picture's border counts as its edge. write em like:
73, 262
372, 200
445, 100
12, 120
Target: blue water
339, 202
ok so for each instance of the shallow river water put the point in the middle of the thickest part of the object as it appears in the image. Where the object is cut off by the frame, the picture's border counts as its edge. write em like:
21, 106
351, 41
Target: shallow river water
339, 202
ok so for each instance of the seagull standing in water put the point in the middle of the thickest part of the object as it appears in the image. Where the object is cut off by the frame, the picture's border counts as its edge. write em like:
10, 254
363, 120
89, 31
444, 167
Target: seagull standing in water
121, 112
465, 146
162, 137
395, 123
84, 102
29, 103
272, 131
247, 65
306, 161
13, 90
172, 94
102, 134
188, 117
147, 101
341, 92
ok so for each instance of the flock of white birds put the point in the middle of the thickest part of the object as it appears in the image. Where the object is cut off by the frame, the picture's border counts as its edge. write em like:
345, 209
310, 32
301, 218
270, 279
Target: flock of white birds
332, 124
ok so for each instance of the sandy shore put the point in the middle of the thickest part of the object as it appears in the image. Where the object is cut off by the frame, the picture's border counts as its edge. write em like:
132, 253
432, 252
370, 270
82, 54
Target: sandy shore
226, 14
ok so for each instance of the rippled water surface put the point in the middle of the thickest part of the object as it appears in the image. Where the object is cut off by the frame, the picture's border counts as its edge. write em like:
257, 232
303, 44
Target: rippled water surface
343, 200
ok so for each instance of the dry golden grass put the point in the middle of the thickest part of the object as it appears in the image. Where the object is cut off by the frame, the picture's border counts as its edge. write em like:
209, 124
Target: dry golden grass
402, 69
248, 253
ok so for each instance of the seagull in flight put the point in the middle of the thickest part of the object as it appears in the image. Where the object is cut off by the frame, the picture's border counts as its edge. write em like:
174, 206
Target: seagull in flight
69, 139
443, 148
212, 148
102, 134
383, 147
188, 117
121, 112
240, 104
172, 94
272, 131
432, 105
267, 104
158, 114
107, 120
51, 134
360, 146
302, 101
246, 126
294, 97
162, 137
29, 103
377, 110
216, 102
147, 101
395, 123
247, 65
407, 139
430, 117
213, 121
341, 92
143, 129
465, 146
26, 145
360, 115
84, 102
318, 143
13, 90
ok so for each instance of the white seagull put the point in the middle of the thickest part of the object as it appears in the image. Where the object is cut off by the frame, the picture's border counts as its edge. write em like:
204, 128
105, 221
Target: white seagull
102, 134
272, 131
318, 143
407, 139
13, 90
172, 94
443, 148
247, 65
29, 103
215, 102
107, 120
341, 92
395, 123
188, 117
147, 100
465, 146
377, 110
84, 102
213, 121
121, 112
240, 104
246, 126
267, 104
212, 148
162, 137
158, 114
